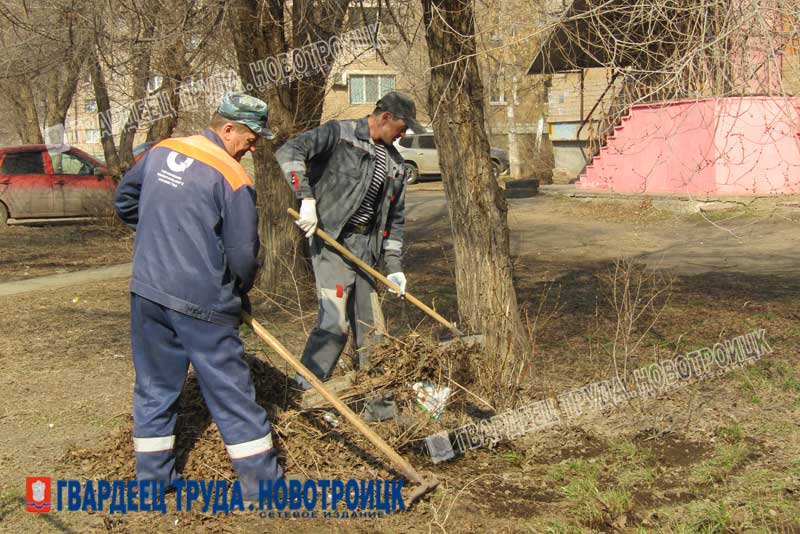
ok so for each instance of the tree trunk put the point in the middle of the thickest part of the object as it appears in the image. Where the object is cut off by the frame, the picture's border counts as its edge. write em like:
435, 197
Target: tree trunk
26, 121
61, 86
174, 68
257, 27
487, 301
104, 110
258, 33
163, 127
141, 76
62, 81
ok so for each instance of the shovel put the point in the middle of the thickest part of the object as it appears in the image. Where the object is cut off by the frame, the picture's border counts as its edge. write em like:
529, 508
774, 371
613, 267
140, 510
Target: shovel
397, 461
458, 334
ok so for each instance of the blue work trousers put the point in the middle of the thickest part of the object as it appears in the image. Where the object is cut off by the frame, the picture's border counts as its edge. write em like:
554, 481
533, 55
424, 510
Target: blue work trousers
164, 343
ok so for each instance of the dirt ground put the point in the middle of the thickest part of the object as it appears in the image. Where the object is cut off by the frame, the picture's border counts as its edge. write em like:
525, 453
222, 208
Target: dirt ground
722, 455
31, 249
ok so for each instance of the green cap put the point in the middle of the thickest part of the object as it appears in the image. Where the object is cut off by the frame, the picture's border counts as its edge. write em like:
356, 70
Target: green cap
247, 110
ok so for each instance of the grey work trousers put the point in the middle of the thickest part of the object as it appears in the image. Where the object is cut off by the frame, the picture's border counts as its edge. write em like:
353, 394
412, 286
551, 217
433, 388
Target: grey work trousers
347, 298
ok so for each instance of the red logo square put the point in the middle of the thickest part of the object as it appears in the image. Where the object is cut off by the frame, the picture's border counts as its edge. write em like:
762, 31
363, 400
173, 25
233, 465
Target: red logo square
37, 494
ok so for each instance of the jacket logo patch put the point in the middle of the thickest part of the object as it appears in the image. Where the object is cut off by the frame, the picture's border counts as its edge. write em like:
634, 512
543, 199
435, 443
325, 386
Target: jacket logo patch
175, 166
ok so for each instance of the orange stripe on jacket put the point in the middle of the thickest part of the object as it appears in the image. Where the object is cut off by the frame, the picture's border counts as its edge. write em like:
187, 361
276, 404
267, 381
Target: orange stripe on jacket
204, 150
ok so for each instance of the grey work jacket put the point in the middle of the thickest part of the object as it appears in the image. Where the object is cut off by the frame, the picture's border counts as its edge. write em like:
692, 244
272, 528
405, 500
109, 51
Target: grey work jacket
334, 163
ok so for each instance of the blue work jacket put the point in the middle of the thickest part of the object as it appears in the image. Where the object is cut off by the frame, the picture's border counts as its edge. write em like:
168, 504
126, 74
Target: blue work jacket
193, 207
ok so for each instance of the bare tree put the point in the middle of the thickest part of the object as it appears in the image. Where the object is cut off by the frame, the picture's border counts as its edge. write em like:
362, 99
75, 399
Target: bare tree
15, 86
487, 301
45, 47
23, 105
104, 108
679, 49
154, 42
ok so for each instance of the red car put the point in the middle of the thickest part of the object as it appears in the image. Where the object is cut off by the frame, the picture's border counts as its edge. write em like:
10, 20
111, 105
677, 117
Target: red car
37, 183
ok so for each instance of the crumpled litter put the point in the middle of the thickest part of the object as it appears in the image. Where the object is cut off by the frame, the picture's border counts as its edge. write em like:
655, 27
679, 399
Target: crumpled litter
432, 398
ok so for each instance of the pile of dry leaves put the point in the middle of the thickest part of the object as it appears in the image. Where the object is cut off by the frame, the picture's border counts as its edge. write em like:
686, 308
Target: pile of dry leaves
307, 442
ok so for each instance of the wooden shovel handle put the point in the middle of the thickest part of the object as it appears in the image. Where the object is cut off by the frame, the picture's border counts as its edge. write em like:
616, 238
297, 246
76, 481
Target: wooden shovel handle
396, 460
366, 268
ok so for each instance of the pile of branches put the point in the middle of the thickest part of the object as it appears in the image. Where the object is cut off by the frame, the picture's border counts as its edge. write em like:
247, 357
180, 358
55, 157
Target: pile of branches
307, 442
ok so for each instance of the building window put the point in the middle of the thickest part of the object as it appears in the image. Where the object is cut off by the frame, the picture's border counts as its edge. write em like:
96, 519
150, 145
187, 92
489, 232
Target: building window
497, 90
92, 136
368, 89
360, 18
496, 33
90, 105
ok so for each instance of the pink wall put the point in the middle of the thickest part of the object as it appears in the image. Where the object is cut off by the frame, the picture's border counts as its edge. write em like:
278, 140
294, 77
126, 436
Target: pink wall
724, 146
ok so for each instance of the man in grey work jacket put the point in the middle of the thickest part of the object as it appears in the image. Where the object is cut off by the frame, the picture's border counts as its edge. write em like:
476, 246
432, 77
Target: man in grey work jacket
193, 207
351, 181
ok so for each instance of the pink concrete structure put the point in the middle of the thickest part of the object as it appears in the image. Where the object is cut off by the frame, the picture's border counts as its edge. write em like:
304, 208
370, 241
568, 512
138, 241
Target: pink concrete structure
713, 146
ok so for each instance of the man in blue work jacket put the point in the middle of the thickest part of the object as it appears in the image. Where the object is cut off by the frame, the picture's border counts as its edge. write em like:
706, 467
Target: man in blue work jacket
193, 207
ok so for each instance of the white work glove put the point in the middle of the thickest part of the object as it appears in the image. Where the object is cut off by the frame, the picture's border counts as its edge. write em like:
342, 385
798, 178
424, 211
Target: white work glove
400, 280
308, 216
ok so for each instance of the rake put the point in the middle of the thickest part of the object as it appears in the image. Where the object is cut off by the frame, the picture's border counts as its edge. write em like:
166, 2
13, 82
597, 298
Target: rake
397, 461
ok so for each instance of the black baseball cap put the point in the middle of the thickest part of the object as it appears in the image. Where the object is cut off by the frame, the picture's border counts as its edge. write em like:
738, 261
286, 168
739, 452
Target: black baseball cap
402, 107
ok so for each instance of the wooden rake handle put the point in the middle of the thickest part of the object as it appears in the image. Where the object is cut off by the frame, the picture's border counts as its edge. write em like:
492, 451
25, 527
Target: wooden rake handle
378, 276
396, 460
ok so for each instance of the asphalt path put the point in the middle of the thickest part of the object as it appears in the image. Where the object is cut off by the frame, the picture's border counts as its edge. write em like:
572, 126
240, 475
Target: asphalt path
556, 228
551, 228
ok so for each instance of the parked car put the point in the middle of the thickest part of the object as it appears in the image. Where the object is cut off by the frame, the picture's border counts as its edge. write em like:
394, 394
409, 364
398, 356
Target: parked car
37, 183
421, 157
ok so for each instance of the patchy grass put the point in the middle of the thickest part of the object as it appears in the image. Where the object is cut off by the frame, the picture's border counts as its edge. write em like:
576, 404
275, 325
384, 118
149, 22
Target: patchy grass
569, 470
707, 518
637, 477
770, 378
614, 502
629, 453
595, 502
636, 211
512, 458
558, 527
731, 434
795, 468
726, 459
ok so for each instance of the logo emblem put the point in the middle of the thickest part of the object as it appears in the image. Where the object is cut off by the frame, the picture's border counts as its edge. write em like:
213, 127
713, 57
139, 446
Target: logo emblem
174, 166
37, 494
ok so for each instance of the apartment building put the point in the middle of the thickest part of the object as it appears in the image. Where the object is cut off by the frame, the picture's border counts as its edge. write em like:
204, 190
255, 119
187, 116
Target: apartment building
396, 59
506, 35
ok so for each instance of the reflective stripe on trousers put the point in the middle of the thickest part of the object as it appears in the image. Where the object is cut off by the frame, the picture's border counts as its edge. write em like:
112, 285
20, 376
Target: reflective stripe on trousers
164, 343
